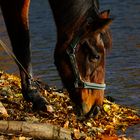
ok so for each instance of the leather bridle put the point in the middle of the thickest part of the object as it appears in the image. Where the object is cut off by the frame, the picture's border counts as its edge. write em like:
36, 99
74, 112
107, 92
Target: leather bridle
79, 83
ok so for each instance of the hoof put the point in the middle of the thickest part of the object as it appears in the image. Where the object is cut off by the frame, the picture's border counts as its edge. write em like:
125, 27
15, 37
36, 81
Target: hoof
40, 104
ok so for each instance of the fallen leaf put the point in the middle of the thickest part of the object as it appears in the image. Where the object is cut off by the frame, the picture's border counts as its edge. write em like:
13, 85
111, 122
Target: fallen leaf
3, 111
106, 108
50, 108
66, 125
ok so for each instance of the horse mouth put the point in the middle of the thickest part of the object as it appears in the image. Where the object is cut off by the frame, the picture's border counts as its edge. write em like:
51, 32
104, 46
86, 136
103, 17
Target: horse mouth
94, 111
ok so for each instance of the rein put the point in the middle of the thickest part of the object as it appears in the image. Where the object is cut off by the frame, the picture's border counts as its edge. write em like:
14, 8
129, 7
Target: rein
79, 83
10, 54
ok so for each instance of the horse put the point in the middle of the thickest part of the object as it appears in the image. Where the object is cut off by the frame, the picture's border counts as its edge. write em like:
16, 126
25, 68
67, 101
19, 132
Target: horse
83, 38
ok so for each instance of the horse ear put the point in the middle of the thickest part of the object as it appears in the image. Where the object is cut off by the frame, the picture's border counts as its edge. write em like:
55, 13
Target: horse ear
105, 14
103, 24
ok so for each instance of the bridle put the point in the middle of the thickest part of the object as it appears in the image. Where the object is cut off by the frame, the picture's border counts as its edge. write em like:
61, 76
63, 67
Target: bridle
79, 83
71, 50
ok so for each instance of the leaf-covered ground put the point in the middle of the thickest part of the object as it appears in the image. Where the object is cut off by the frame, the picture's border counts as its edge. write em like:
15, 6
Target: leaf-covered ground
60, 112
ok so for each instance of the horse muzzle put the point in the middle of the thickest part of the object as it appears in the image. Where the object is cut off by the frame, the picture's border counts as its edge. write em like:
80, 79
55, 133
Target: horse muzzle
95, 110
89, 103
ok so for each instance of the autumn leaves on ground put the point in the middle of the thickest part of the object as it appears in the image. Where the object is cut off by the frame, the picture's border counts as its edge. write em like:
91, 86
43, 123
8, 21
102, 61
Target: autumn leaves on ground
60, 113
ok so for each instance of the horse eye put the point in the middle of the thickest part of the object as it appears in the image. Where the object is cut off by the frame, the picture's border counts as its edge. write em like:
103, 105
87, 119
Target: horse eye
97, 57
91, 52
94, 58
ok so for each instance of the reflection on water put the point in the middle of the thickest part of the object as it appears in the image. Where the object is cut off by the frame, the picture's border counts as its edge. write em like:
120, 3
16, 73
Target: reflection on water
123, 63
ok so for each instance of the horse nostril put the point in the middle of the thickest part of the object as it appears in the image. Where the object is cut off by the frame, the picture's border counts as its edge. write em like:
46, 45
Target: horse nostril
94, 111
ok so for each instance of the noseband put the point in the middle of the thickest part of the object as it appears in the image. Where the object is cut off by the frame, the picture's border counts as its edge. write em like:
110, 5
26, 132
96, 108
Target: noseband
79, 83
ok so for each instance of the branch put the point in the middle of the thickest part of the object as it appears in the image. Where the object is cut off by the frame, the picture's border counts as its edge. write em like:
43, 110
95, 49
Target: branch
35, 130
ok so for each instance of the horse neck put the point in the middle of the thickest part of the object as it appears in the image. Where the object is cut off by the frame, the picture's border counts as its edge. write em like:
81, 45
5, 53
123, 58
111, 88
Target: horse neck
67, 12
70, 16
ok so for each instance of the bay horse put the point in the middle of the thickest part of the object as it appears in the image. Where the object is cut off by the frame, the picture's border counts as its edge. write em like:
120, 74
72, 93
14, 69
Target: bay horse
83, 39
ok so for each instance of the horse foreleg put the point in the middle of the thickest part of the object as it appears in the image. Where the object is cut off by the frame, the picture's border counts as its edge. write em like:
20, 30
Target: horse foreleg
15, 13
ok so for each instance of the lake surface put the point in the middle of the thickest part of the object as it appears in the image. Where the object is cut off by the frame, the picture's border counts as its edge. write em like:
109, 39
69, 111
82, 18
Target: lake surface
123, 62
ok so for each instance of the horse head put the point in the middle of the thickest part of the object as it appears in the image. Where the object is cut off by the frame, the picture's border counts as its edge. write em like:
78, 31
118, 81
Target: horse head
80, 60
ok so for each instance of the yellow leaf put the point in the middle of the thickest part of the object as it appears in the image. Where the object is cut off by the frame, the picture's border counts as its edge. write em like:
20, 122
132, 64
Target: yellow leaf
66, 125
89, 124
76, 134
106, 107
3, 111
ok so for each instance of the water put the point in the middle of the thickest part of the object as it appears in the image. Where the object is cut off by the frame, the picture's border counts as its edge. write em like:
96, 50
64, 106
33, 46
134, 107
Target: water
123, 62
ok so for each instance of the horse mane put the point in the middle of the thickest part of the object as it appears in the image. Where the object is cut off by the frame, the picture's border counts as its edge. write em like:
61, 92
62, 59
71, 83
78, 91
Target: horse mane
68, 12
